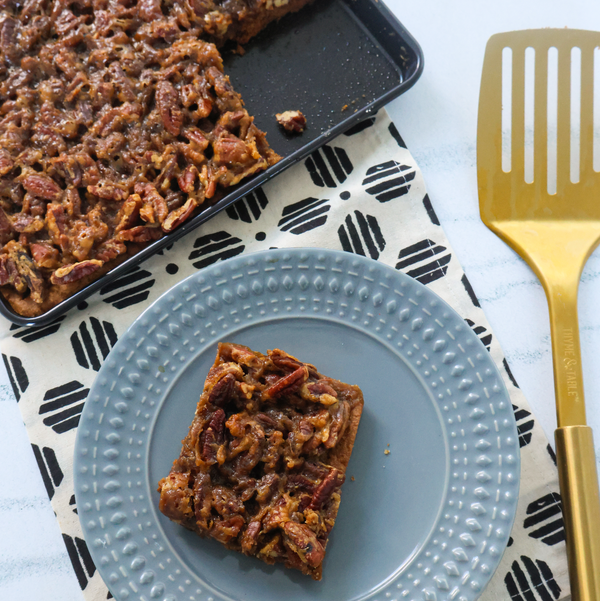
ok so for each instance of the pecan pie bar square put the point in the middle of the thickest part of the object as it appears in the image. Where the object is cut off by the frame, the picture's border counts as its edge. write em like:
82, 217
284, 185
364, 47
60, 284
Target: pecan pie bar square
264, 459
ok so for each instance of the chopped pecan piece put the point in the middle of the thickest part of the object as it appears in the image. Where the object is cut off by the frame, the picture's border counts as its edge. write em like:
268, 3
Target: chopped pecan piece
44, 255
27, 270
178, 216
139, 234
264, 460
288, 383
292, 121
6, 162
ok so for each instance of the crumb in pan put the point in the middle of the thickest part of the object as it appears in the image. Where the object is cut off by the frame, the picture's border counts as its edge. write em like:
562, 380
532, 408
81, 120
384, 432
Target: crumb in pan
292, 121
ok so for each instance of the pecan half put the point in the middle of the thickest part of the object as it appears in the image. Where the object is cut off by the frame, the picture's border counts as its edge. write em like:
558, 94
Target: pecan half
287, 383
167, 100
27, 224
324, 491
249, 538
212, 437
42, 186
44, 255
108, 191
222, 391
75, 271
338, 424
303, 541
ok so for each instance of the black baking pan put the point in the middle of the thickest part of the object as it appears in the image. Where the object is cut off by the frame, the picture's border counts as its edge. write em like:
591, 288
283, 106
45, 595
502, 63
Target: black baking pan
338, 61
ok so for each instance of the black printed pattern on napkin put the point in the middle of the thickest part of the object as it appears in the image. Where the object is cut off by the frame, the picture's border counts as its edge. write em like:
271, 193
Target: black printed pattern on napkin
16, 374
304, 215
329, 166
356, 129
362, 235
80, 558
92, 342
129, 289
388, 180
531, 580
215, 247
469, 290
481, 332
249, 208
430, 211
425, 261
50, 470
524, 425
32, 334
63, 406
396, 135
544, 519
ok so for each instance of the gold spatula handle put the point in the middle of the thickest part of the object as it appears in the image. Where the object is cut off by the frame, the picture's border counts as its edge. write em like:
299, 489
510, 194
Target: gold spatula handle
581, 509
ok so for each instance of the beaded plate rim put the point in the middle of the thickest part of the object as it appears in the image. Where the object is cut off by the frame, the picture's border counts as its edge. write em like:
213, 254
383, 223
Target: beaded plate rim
455, 563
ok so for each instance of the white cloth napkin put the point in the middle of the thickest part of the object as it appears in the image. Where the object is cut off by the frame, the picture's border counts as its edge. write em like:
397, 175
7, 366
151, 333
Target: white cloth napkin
362, 193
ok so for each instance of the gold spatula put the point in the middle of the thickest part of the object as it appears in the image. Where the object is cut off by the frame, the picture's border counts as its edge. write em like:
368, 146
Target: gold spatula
555, 233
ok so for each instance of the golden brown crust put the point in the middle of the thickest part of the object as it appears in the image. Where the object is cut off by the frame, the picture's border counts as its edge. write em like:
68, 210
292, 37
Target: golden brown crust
339, 456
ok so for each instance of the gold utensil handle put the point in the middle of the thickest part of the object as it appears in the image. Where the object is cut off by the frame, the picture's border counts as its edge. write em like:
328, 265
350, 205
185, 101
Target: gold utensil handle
581, 509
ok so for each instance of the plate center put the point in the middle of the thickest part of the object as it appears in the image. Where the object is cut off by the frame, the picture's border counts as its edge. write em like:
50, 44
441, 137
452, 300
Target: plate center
389, 501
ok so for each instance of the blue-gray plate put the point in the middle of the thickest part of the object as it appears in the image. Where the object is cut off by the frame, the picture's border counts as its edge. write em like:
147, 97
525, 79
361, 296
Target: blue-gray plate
429, 520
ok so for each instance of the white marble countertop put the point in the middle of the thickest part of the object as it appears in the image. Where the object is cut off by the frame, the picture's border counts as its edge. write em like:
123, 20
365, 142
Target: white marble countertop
437, 119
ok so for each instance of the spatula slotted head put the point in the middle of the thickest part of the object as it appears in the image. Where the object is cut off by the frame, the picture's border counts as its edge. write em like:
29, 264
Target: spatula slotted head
505, 196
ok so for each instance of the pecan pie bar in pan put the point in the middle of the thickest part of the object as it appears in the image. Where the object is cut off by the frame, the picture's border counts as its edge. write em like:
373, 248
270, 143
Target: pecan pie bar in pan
134, 141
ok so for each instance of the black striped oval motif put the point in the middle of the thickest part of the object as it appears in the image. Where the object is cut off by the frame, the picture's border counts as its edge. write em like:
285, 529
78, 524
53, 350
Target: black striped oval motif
329, 166
17, 375
80, 558
129, 289
92, 342
545, 520
304, 215
63, 406
425, 261
388, 180
486, 339
362, 235
524, 425
531, 580
215, 247
249, 208
49, 468
27, 334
